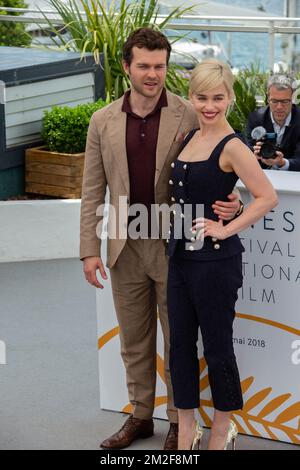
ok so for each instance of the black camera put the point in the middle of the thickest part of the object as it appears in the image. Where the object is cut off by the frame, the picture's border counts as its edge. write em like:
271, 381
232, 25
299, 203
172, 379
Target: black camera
269, 146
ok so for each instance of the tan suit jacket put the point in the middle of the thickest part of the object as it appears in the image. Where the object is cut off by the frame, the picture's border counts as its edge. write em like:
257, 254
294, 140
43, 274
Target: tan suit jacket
106, 166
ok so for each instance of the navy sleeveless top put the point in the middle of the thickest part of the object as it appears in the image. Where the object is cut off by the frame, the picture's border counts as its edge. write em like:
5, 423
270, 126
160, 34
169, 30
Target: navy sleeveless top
200, 183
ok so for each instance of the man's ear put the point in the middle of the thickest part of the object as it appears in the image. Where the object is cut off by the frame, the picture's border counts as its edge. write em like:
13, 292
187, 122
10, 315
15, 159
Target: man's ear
125, 67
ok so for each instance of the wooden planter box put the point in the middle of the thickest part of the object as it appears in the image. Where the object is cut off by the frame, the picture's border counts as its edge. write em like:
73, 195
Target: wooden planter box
53, 174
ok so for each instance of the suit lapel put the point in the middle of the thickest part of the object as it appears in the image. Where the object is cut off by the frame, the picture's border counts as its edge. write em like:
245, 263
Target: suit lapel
268, 124
289, 128
116, 129
286, 135
170, 119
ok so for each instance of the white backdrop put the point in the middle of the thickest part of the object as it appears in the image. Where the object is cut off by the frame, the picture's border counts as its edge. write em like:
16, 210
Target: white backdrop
266, 331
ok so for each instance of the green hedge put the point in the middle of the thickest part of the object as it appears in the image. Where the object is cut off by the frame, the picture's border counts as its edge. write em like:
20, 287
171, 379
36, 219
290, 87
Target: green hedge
65, 129
11, 33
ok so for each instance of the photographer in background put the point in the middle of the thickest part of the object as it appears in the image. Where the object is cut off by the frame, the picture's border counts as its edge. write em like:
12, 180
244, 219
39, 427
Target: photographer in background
280, 122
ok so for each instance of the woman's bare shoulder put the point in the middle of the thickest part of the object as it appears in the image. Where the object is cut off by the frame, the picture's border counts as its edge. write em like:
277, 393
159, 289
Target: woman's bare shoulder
236, 146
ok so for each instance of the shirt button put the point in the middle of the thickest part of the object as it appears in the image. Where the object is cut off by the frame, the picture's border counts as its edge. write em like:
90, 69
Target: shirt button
171, 182
180, 183
173, 165
216, 246
173, 199
185, 166
142, 135
181, 201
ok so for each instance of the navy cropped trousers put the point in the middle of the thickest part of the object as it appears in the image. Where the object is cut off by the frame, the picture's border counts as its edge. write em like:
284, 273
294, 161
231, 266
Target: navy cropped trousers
203, 294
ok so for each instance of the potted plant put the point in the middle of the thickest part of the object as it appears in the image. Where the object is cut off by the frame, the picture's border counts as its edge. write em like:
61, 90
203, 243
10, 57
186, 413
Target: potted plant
56, 168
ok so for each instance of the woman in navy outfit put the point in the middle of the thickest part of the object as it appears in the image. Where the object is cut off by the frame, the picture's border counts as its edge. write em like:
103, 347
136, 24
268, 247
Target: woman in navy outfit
203, 281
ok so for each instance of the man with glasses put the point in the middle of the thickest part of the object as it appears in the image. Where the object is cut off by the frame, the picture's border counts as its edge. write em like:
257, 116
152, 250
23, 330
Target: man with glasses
281, 117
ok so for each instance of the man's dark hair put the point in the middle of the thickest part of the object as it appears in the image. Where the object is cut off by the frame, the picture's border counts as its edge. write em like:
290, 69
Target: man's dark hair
147, 38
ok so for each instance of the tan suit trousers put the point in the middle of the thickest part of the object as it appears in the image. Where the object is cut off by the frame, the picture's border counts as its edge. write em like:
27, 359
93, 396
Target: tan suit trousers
139, 283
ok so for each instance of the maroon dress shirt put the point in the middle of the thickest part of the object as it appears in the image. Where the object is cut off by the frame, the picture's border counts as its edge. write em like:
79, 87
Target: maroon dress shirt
141, 142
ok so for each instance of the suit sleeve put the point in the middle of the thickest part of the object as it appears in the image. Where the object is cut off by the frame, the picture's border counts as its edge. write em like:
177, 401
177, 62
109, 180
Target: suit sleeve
294, 159
249, 128
93, 194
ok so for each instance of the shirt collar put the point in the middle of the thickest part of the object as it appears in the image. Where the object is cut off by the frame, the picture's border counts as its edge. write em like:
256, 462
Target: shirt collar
286, 123
162, 102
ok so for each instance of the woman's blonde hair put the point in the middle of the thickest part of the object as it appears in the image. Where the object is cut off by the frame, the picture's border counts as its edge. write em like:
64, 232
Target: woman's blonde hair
209, 74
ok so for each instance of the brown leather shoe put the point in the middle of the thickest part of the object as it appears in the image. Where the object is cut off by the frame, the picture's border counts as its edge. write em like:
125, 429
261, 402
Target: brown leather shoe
172, 438
133, 428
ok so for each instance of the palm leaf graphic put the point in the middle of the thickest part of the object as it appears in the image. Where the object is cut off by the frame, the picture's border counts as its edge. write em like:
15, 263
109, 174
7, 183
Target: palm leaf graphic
246, 384
290, 413
160, 367
273, 405
202, 364
256, 399
204, 383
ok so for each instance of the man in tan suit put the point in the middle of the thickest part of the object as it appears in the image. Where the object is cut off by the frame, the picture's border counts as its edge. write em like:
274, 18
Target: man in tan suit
130, 147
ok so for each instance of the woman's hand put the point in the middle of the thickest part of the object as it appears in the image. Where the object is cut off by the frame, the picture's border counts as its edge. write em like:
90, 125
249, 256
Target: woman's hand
209, 228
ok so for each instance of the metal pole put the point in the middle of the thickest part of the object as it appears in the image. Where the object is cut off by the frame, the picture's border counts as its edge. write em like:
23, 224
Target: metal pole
271, 45
229, 47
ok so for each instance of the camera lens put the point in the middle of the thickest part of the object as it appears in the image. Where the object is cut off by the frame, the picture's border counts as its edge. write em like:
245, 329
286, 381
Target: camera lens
268, 150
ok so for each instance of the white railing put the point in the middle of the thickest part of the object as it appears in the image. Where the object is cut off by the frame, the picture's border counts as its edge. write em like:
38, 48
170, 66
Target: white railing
271, 25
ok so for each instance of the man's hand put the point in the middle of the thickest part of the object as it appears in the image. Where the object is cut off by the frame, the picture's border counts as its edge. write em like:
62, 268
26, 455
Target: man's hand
278, 160
90, 266
227, 210
256, 149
